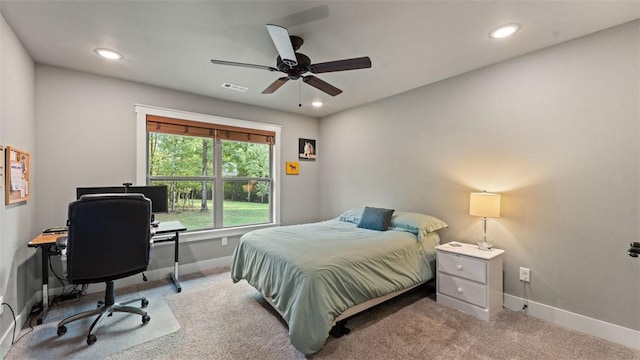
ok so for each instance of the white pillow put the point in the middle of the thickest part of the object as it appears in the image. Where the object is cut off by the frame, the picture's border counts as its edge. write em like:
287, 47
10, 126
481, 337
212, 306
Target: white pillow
351, 216
414, 222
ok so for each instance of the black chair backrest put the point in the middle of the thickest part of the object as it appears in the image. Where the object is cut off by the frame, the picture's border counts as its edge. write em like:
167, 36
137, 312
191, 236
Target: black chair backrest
109, 237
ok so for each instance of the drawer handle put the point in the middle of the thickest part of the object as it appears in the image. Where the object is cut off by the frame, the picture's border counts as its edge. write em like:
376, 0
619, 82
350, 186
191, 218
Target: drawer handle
460, 290
459, 267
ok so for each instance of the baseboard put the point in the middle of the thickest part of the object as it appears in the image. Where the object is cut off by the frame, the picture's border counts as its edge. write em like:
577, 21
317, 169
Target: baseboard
598, 328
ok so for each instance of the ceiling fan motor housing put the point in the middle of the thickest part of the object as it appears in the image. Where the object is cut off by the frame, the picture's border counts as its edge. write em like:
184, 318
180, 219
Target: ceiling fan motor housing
296, 42
294, 72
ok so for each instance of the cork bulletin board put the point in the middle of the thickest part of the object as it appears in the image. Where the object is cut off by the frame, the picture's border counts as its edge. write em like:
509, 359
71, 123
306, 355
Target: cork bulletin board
17, 164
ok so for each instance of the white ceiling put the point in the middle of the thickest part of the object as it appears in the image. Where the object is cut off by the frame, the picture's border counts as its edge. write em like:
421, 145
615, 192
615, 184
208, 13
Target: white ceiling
410, 43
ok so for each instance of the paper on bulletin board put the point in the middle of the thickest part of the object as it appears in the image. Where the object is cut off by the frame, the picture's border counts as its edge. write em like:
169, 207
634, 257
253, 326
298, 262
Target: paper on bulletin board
17, 180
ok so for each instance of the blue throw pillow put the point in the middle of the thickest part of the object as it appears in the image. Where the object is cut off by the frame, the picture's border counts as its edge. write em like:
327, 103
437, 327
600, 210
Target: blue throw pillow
375, 219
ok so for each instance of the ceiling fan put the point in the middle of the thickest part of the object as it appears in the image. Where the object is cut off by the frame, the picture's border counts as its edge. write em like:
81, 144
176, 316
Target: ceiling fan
296, 65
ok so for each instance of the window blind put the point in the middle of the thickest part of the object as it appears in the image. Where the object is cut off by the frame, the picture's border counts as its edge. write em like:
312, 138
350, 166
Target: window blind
161, 124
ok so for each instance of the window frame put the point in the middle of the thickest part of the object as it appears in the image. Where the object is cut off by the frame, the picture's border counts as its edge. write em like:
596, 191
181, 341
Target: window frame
141, 162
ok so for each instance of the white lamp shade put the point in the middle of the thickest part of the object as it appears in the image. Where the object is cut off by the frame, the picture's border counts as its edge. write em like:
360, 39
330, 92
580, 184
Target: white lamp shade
484, 204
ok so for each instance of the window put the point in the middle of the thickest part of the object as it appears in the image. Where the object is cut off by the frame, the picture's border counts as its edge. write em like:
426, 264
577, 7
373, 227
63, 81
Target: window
219, 172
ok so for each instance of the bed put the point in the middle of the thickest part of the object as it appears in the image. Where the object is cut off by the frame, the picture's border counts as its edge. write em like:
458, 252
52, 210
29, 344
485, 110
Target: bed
317, 274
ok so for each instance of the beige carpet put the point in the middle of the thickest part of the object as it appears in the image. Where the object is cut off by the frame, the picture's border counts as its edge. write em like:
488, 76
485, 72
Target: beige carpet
222, 320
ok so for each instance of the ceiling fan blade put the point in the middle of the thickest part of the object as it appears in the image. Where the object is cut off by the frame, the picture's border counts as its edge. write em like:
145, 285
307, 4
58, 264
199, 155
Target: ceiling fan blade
275, 85
281, 40
321, 85
253, 66
341, 65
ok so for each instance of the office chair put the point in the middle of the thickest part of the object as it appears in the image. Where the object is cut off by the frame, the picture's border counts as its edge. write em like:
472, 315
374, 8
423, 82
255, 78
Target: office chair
109, 238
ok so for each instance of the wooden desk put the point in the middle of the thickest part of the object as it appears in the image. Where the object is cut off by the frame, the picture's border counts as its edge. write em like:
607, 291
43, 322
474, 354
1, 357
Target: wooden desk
166, 231
46, 239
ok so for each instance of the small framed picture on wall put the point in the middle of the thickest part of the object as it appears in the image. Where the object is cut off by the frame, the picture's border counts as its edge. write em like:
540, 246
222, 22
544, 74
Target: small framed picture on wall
293, 168
307, 149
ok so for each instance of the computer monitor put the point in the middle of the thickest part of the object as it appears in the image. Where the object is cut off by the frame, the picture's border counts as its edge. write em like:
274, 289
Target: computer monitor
157, 194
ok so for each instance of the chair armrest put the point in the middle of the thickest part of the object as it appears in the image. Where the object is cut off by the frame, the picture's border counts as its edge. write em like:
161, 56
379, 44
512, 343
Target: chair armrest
61, 242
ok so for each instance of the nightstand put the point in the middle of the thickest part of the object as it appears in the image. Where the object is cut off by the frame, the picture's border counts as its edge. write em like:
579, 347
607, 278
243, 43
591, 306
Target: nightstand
470, 279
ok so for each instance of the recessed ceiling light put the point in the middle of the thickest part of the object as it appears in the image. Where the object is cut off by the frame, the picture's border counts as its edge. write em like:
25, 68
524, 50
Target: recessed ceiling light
504, 31
316, 103
109, 54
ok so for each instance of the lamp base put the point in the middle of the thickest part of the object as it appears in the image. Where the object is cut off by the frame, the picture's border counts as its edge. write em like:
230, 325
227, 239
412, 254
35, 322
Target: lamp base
484, 245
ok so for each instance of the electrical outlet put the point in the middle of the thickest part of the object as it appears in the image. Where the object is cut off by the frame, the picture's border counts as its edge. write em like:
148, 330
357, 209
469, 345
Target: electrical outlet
224, 241
525, 274
1, 306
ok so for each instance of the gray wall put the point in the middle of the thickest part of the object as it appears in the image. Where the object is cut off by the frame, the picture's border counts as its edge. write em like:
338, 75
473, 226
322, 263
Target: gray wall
555, 131
17, 128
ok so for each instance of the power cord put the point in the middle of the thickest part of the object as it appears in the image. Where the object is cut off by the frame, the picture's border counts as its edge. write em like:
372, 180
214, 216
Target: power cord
13, 339
525, 307
31, 329
31, 317
74, 293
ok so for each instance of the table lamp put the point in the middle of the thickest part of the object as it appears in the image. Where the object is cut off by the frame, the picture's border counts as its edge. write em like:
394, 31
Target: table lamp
486, 205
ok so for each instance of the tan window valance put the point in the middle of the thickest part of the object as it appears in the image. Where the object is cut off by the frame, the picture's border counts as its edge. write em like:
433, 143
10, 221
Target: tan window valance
161, 124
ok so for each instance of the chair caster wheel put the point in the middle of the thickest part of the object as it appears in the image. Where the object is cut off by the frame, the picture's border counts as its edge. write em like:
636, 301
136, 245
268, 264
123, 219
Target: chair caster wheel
144, 303
100, 304
62, 330
145, 319
91, 339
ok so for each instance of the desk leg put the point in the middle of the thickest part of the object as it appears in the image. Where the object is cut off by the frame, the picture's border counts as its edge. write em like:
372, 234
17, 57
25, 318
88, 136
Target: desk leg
46, 251
174, 276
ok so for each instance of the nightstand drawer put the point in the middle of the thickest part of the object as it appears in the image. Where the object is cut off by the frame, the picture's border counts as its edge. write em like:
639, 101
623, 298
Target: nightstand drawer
462, 266
464, 290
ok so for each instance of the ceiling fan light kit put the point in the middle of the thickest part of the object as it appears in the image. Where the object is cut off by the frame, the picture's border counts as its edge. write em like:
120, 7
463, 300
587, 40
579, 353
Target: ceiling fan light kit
295, 65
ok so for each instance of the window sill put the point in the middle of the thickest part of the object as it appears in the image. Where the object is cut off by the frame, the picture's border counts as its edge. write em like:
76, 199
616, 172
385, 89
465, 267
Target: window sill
202, 235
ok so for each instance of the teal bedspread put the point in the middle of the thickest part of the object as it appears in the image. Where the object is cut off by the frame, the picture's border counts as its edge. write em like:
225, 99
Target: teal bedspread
314, 272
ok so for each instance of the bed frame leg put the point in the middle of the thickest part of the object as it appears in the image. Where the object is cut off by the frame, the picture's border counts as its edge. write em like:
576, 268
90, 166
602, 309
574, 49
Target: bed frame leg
339, 329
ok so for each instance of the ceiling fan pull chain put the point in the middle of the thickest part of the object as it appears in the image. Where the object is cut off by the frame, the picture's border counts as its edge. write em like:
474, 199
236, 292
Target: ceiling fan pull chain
300, 93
